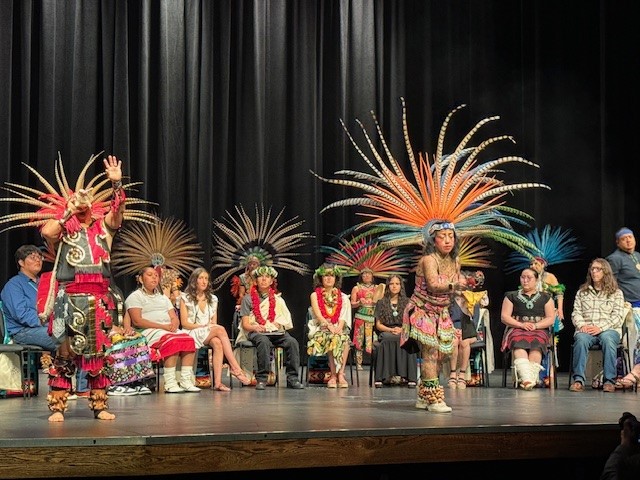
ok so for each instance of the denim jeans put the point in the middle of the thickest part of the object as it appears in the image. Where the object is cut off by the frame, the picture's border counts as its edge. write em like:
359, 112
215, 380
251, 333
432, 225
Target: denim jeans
35, 336
609, 340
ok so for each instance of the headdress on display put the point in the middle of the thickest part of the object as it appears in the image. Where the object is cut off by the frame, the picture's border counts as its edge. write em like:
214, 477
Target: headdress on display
554, 245
167, 245
51, 203
361, 253
272, 241
455, 189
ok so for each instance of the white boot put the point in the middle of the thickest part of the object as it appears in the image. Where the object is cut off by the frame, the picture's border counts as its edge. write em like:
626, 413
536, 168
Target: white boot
525, 373
170, 382
536, 368
187, 380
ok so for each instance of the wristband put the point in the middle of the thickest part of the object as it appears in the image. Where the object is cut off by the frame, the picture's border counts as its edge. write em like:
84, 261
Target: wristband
116, 185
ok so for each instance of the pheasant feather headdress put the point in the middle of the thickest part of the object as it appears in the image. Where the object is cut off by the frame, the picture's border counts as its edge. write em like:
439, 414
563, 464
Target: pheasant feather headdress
361, 253
453, 188
50, 203
166, 244
236, 239
554, 244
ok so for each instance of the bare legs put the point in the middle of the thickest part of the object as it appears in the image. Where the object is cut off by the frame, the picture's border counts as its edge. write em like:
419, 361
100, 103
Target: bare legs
221, 345
337, 378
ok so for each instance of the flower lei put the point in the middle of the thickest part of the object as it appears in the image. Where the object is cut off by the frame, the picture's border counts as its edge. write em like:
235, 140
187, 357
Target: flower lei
323, 307
255, 299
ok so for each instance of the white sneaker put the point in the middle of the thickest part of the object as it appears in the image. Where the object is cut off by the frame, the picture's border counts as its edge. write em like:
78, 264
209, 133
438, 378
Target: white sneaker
72, 396
439, 407
122, 391
143, 390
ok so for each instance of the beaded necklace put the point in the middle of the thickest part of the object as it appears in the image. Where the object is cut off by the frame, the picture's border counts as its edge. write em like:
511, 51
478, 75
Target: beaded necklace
334, 297
255, 300
635, 259
528, 302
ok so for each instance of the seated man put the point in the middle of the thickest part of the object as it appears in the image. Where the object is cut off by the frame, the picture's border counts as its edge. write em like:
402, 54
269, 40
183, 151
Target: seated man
265, 321
19, 301
21, 316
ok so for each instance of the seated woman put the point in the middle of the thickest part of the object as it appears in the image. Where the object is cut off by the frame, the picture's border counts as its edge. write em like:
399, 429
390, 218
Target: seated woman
199, 317
153, 315
391, 360
331, 323
528, 314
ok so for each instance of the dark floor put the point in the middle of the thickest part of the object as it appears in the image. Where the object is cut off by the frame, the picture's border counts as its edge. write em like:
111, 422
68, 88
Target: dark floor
319, 414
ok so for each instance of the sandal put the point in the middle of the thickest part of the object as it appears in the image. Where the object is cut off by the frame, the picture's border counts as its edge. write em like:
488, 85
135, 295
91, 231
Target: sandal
222, 388
627, 383
461, 382
342, 382
332, 383
453, 381
242, 378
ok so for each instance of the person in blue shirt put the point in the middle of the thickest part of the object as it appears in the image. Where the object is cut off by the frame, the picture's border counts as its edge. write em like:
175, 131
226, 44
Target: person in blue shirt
20, 314
19, 301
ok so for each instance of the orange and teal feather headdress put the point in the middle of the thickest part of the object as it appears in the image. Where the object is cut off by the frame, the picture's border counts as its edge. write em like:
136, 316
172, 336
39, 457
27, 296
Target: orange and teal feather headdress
454, 188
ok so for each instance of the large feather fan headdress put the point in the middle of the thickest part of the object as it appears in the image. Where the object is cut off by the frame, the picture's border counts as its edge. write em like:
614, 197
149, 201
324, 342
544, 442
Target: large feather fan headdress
454, 188
165, 244
361, 253
50, 203
238, 238
554, 244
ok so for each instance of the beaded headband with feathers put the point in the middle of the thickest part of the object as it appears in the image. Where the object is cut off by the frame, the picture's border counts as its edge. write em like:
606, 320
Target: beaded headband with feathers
236, 238
167, 244
452, 188
51, 203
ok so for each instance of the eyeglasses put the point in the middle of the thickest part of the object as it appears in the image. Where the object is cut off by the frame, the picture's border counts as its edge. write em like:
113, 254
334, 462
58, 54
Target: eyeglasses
35, 256
596, 269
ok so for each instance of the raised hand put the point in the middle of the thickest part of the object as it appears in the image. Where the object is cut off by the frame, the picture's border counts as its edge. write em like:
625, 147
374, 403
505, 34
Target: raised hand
113, 168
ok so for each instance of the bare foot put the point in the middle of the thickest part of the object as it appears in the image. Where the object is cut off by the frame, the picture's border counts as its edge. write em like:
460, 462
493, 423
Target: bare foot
104, 415
222, 388
56, 417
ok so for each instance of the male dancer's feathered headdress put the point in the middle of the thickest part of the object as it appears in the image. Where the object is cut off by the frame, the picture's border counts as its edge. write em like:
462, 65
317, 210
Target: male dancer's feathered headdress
51, 203
237, 238
167, 245
453, 188
361, 253
553, 245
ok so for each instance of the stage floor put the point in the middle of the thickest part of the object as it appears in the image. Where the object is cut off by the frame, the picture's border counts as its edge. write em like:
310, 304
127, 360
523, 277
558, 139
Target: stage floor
346, 431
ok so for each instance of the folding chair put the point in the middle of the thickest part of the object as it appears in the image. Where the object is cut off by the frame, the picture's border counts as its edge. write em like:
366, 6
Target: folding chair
28, 354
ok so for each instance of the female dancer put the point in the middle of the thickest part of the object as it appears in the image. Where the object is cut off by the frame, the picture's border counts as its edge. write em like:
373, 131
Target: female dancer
426, 319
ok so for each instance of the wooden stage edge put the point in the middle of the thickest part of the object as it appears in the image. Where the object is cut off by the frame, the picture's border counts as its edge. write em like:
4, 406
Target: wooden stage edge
166, 456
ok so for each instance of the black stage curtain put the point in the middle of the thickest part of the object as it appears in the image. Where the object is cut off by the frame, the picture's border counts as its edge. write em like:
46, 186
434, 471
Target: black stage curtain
217, 103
